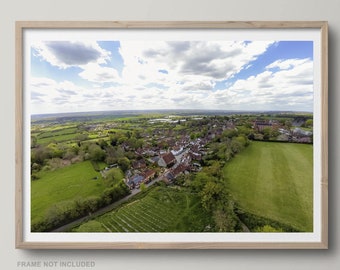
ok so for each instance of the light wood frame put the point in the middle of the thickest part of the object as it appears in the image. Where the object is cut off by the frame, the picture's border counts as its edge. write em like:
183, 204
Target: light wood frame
20, 28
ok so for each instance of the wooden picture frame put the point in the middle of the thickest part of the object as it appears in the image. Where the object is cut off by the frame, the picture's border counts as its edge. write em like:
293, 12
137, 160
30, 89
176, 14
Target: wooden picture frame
317, 31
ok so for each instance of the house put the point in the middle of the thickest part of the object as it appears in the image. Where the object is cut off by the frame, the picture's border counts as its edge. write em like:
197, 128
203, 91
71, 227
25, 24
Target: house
167, 160
135, 181
148, 175
179, 169
261, 125
195, 155
168, 178
139, 164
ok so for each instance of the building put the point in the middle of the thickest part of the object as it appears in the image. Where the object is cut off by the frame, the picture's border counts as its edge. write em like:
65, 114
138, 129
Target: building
167, 160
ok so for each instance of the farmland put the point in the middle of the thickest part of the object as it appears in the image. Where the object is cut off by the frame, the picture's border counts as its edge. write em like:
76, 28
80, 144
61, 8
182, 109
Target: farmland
160, 209
274, 180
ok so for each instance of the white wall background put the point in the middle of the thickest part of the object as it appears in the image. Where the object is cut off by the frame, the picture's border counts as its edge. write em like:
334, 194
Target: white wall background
11, 11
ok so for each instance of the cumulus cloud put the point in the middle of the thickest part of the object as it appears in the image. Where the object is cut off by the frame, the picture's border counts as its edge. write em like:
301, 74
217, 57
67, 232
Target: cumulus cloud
98, 74
286, 63
64, 54
176, 74
73, 53
189, 65
285, 85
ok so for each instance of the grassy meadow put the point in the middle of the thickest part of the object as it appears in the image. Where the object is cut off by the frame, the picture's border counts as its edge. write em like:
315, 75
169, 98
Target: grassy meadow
274, 180
77, 180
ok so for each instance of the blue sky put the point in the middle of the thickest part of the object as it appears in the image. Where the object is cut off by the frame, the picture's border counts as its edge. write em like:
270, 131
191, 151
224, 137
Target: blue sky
70, 76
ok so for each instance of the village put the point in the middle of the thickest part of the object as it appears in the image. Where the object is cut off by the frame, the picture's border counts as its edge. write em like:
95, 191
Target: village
181, 151
115, 158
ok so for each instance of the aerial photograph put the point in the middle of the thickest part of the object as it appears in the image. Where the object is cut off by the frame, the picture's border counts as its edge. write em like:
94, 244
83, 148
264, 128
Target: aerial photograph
157, 136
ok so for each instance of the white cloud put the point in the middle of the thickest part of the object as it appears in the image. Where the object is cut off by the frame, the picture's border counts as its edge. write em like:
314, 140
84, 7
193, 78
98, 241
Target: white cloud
170, 75
65, 54
286, 63
284, 89
88, 56
188, 63
98, 74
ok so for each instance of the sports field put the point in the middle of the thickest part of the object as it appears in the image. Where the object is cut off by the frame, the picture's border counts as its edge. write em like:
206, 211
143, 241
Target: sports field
274, 180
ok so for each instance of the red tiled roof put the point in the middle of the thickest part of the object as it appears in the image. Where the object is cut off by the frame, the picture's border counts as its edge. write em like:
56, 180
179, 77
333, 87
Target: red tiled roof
179, 169
147, 173
169, 158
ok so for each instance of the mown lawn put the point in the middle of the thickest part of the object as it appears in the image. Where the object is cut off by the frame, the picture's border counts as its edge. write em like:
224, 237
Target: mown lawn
274, 180
77, 180
161, 210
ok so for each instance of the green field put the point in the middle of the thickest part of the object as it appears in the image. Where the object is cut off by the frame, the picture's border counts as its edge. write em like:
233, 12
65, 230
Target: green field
49, 134
274, 180
160, 209
63, 184
58, 138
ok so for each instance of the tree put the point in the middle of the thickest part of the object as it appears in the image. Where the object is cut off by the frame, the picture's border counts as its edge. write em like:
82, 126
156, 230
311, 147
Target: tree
90, 204
275, 133
214, 169
200, 180
246, 130
267, 228
34, 141
113, 177
142, 187
96, 153
242, 139
71, 152
211, 194
236, 146
82, 137
124, 163
122, 139
288, 124
309, 123
224, 220
39, 155
102, 144
266, 133
251, 136
55, 150
113, 140
229, 133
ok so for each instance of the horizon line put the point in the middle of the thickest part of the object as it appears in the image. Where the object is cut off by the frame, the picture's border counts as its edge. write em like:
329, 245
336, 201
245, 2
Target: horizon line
153, 110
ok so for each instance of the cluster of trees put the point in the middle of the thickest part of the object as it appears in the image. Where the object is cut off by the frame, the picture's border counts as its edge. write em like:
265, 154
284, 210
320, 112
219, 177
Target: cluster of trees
118, 150
256, 223
131, 139
308, 123
67, 211
215, 200
224, 147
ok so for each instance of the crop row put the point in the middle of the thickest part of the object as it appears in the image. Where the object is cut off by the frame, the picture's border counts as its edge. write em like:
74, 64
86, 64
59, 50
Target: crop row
151, 214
